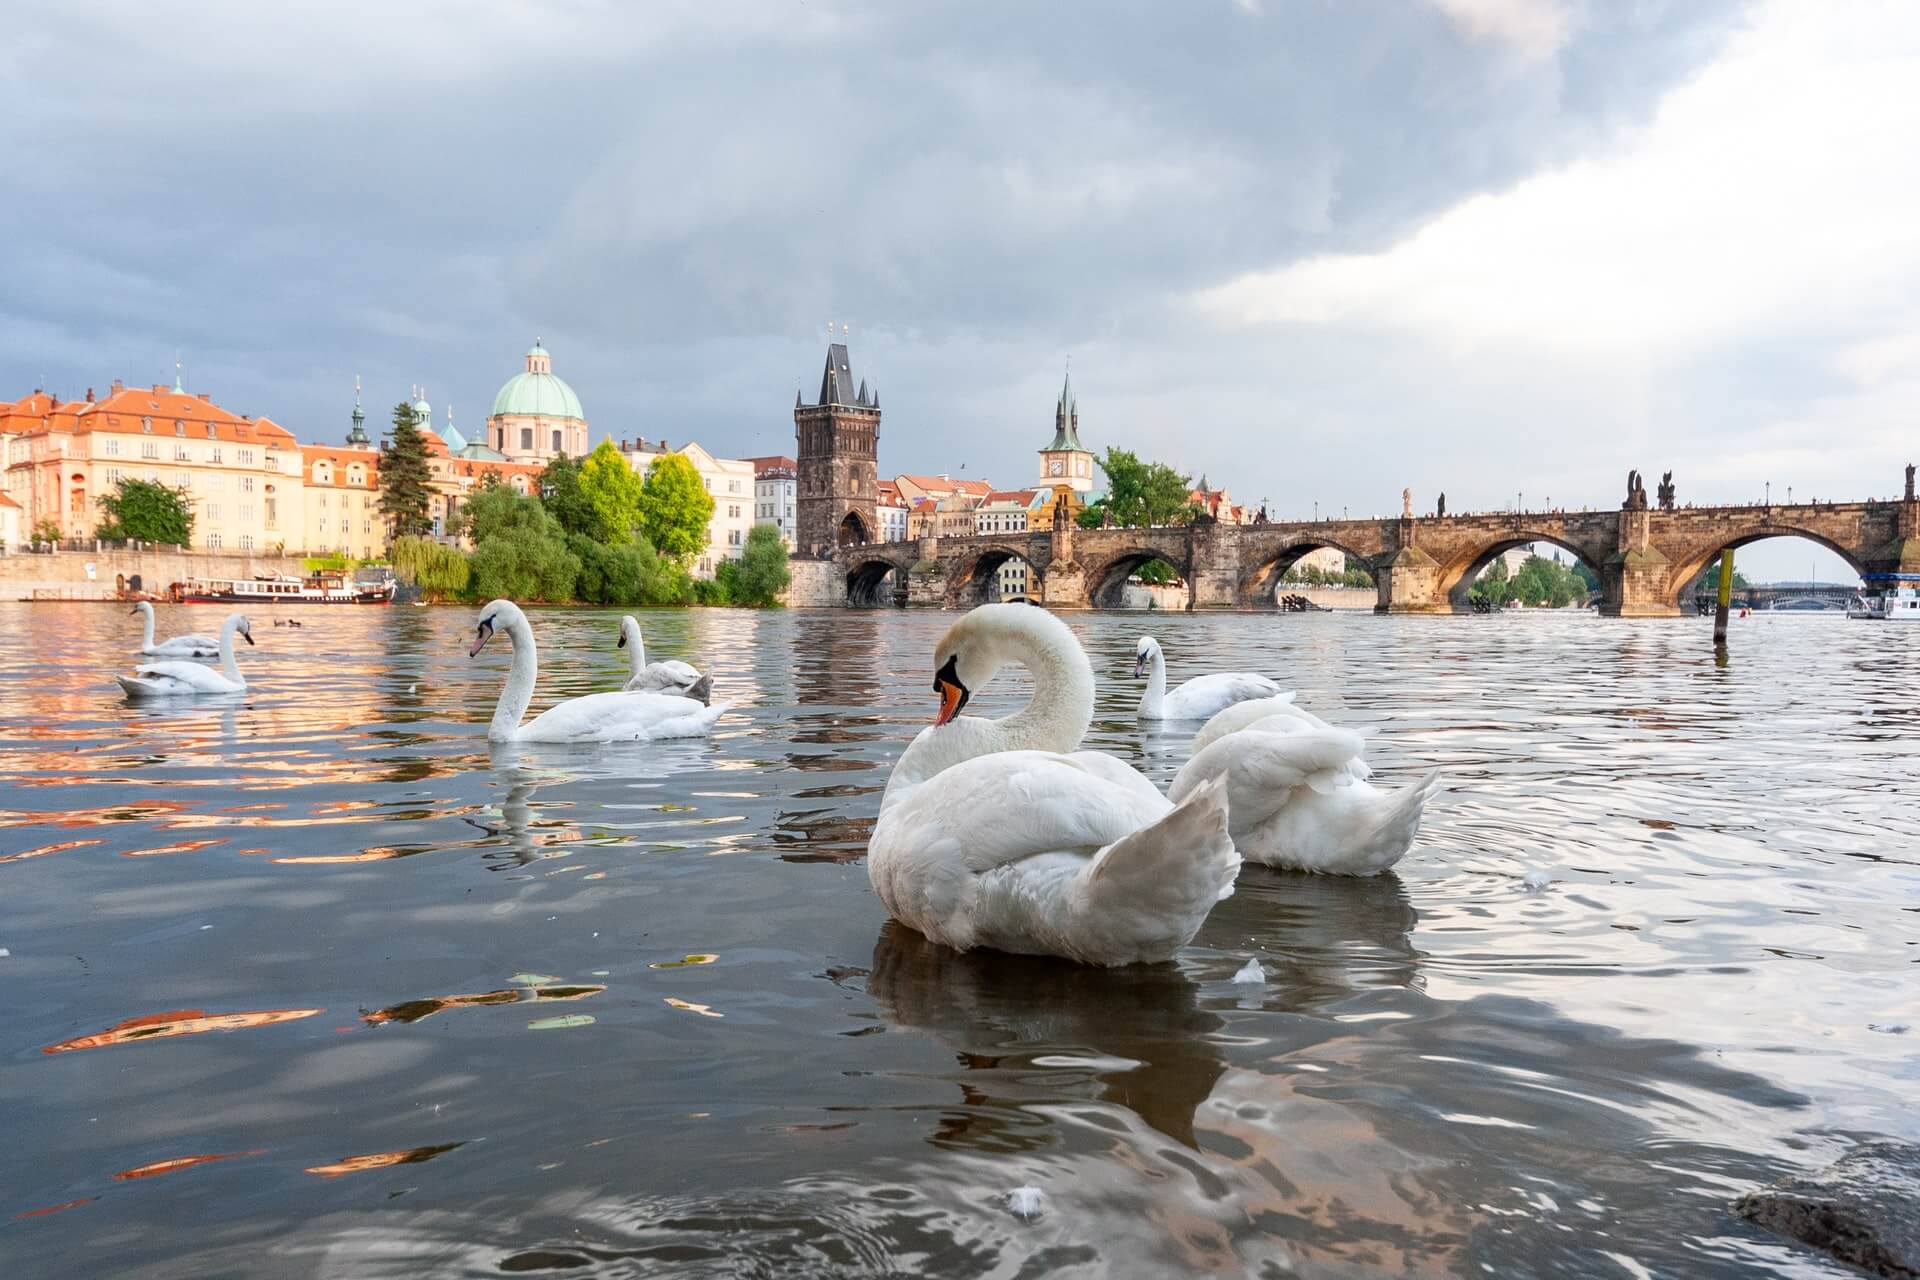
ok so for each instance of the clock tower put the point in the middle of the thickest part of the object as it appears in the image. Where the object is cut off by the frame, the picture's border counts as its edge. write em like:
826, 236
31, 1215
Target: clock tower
1065, 461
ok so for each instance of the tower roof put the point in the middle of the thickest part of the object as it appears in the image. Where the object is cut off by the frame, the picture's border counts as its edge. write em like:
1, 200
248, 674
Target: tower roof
836, 382
1066, 422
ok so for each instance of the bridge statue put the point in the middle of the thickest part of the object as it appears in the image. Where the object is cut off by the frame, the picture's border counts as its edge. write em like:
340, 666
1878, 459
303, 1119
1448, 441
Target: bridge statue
1909, 482
1666, 492
1440, 507
1406, 503
1636, 493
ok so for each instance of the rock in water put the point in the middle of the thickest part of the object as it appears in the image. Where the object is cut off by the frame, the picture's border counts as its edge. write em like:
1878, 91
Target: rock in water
1864, 1209
1024, 1201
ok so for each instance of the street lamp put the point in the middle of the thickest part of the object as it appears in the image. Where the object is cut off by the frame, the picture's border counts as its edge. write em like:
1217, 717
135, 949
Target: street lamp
1769, 493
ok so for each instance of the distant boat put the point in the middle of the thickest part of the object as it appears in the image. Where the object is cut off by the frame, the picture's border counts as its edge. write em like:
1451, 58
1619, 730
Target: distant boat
1897, 601
325, 587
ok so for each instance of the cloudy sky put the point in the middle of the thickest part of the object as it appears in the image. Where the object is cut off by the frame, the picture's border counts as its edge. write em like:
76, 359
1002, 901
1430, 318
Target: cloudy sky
1315, 249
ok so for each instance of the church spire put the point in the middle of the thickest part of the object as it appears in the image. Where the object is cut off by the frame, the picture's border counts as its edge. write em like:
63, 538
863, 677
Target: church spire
177, 388
358, 435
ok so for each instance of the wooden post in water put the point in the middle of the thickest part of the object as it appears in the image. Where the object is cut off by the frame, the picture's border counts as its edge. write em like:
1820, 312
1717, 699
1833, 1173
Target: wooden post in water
1726, 598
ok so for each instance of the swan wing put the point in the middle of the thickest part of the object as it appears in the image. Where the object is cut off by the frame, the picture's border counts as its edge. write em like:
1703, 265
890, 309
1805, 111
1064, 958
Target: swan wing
186, 677
1264, 770
184, 647
1038, 853
620, 717
1359, 830
1204, 696
1243, 715
663, 677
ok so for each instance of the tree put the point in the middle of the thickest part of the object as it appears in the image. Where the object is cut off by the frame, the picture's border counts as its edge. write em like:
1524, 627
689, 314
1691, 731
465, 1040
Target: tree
611, 490
1156, 573
1092, 514
1493, 585
627, 575
674, 508
139, 510
439, 571
519, 552
1144, 493
1708, 583
560, 491
406, 478
46, 529
761, 573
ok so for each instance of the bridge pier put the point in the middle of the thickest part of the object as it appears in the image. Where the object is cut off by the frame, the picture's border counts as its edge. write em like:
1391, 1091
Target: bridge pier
927, 579
1637, 580
1409, 582
1213, 581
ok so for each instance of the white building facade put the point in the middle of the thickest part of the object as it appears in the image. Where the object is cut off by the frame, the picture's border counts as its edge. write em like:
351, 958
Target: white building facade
1006, 513
730, 483
773, 493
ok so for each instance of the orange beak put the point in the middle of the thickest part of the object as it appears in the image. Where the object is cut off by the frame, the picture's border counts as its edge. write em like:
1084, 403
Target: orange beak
952, 698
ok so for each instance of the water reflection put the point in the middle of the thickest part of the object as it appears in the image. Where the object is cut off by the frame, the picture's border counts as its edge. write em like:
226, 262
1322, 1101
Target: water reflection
1027, 1031
1441, 1072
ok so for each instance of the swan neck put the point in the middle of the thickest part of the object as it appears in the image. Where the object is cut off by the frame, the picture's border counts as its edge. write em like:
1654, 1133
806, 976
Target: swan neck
228, 666
1156, 694
520, 677
636, 651
1062, 707
146, 623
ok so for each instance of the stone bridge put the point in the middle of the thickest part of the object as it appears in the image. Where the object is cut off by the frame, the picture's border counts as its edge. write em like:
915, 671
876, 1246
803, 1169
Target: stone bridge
1645, 558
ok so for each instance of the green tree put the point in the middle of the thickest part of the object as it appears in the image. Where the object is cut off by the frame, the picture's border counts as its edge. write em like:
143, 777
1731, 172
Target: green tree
440, 572
559, 489
1092, 514
761, 573
406, 478
1493, 586
1156, 573
1144, 493
674, 508
46, 529
519, 551
139, 510
610, 489
1708, 583
627, 575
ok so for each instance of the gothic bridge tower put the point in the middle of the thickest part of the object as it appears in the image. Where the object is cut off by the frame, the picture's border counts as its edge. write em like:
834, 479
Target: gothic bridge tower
838, 441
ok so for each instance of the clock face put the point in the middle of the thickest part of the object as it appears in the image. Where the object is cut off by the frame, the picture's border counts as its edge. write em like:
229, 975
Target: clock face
1057, 465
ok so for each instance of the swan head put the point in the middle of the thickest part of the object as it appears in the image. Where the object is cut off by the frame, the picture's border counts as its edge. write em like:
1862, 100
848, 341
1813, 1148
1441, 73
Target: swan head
499, 615
629, 626
1145, 650
238, 624
985, 640
141, 607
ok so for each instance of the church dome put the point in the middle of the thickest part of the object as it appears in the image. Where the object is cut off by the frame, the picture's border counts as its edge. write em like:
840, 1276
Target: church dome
538, 392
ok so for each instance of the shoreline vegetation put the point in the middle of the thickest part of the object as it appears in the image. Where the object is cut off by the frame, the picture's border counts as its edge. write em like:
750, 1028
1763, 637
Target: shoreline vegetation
595, 533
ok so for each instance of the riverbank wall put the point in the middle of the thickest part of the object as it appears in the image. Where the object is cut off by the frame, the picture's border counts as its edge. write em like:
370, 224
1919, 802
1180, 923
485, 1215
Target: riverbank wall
102, 575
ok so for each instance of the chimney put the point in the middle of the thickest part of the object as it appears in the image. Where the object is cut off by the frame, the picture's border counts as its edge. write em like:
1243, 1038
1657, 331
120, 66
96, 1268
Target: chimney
207, 396
89, 395
161, 388
117, 387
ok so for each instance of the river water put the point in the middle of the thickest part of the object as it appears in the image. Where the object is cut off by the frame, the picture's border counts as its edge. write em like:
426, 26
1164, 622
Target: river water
315, 984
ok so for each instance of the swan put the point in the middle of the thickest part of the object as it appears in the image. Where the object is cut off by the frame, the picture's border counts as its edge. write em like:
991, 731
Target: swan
597, 717
1298, 793
998, 834
1199, 697
671, 676
190, 646
180, 678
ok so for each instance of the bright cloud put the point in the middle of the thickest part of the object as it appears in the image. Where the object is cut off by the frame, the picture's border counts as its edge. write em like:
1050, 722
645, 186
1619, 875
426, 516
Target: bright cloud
1534, 28
1772, 195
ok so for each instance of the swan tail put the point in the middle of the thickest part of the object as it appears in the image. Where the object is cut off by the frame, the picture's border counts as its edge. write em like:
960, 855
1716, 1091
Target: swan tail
1393, 833
701, 690
1148, 893
137, 688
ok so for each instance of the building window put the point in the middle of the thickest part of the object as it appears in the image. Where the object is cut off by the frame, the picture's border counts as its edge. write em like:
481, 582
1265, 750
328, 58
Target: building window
213, 512
179, 428
246, 457
556, 442
213, 455
273, 512
180, 454
213, 542
733, 486
246, 542
113, 447
733, 511
148, 449
246, 484
113, 475
733, 537
213, 432
343, 526
246, 513
526, 439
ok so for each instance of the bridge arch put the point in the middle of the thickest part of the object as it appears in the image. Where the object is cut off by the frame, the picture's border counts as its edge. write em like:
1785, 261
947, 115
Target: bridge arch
853, 531
1259, 586
876, 581
1688, 565
970, 578
1456, 577
1107, 578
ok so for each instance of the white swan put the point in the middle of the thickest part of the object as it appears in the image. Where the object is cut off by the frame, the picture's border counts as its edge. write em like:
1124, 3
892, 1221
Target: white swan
1298, 794
189, 646
597, 717
671, 676
996, 833
187, 679
1199, 697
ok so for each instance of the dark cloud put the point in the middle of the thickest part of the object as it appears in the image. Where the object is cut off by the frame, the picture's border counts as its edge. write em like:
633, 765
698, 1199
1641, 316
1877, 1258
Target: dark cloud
678, 198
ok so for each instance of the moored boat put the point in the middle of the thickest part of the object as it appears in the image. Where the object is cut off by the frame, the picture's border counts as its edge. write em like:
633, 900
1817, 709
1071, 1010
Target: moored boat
1888, 597
324, 587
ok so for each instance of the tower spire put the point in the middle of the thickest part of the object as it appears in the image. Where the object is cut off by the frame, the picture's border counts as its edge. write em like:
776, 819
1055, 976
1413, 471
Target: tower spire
177, 388
358, 435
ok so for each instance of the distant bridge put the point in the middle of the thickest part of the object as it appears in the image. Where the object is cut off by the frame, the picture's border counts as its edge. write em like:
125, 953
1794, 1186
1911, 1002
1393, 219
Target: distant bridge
1646, 558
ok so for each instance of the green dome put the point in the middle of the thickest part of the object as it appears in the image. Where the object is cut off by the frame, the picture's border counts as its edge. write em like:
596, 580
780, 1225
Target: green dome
538, 392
